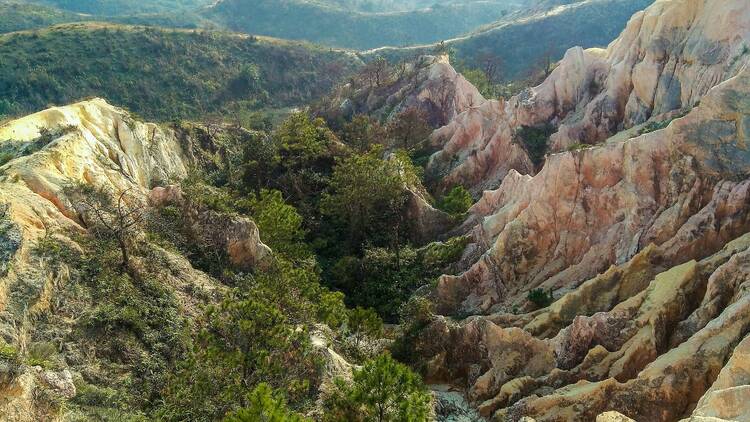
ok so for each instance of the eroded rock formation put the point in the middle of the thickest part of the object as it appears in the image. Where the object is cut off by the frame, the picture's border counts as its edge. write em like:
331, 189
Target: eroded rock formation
429, 84
667, 58
100, 145
238, 236
642, 238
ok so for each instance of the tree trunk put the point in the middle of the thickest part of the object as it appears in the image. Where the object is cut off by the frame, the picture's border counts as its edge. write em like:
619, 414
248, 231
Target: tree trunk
397, 244
125, 255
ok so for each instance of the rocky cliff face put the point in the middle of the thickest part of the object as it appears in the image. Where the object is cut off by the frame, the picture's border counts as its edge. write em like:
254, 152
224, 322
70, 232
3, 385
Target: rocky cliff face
427, 83
667, 58
640, 236
100, 145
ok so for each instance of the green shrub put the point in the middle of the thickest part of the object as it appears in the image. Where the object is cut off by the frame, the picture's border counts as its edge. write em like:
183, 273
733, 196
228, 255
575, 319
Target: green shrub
279, 223
43, 354
207, 197
364, 323
436, 256
540, 298
8, 352
456, 202
383, 390
578, 147
535, 140
10, 363
5, 157
384, 280
653, 126
416, 313
248, 341
331, 309
92, 395
264, 405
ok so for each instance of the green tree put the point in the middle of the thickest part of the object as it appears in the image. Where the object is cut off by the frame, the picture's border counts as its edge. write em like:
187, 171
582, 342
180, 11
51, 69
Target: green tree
109, 215
540, 297
260, 160
384, 391
387, 280
363, 132
264, 405
478, 78
409, 129
306, 150
456, 202
303, 141
364, 323
536, 141
331, 309
367, 194
247, 340
280, 224
246, 83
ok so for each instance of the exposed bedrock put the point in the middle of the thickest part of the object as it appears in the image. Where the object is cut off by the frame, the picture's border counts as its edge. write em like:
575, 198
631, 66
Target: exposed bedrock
666, 59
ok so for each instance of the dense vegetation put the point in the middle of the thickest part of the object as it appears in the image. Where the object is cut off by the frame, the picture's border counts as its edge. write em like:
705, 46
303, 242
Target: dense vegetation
19, 16
351, 204
539, 38
321, 23
383, 390
302, 165
149, 338
124, 7
162, 74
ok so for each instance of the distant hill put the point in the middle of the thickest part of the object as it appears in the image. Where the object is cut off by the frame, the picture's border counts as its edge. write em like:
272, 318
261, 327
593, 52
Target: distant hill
162, 74
406, 5
15, 16
18, 15
334, 23
548, 30
123, 7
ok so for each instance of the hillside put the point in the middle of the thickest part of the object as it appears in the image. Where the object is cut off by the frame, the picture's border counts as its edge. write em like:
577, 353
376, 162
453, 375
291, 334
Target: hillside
123, 7
162, 74
527, 40
100, 342
143, 276
330, 24
16, 16
381, 6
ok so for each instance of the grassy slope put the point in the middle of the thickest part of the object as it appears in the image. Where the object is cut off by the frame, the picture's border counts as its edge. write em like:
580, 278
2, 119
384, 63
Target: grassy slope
316, 22
161, 74
522, 44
